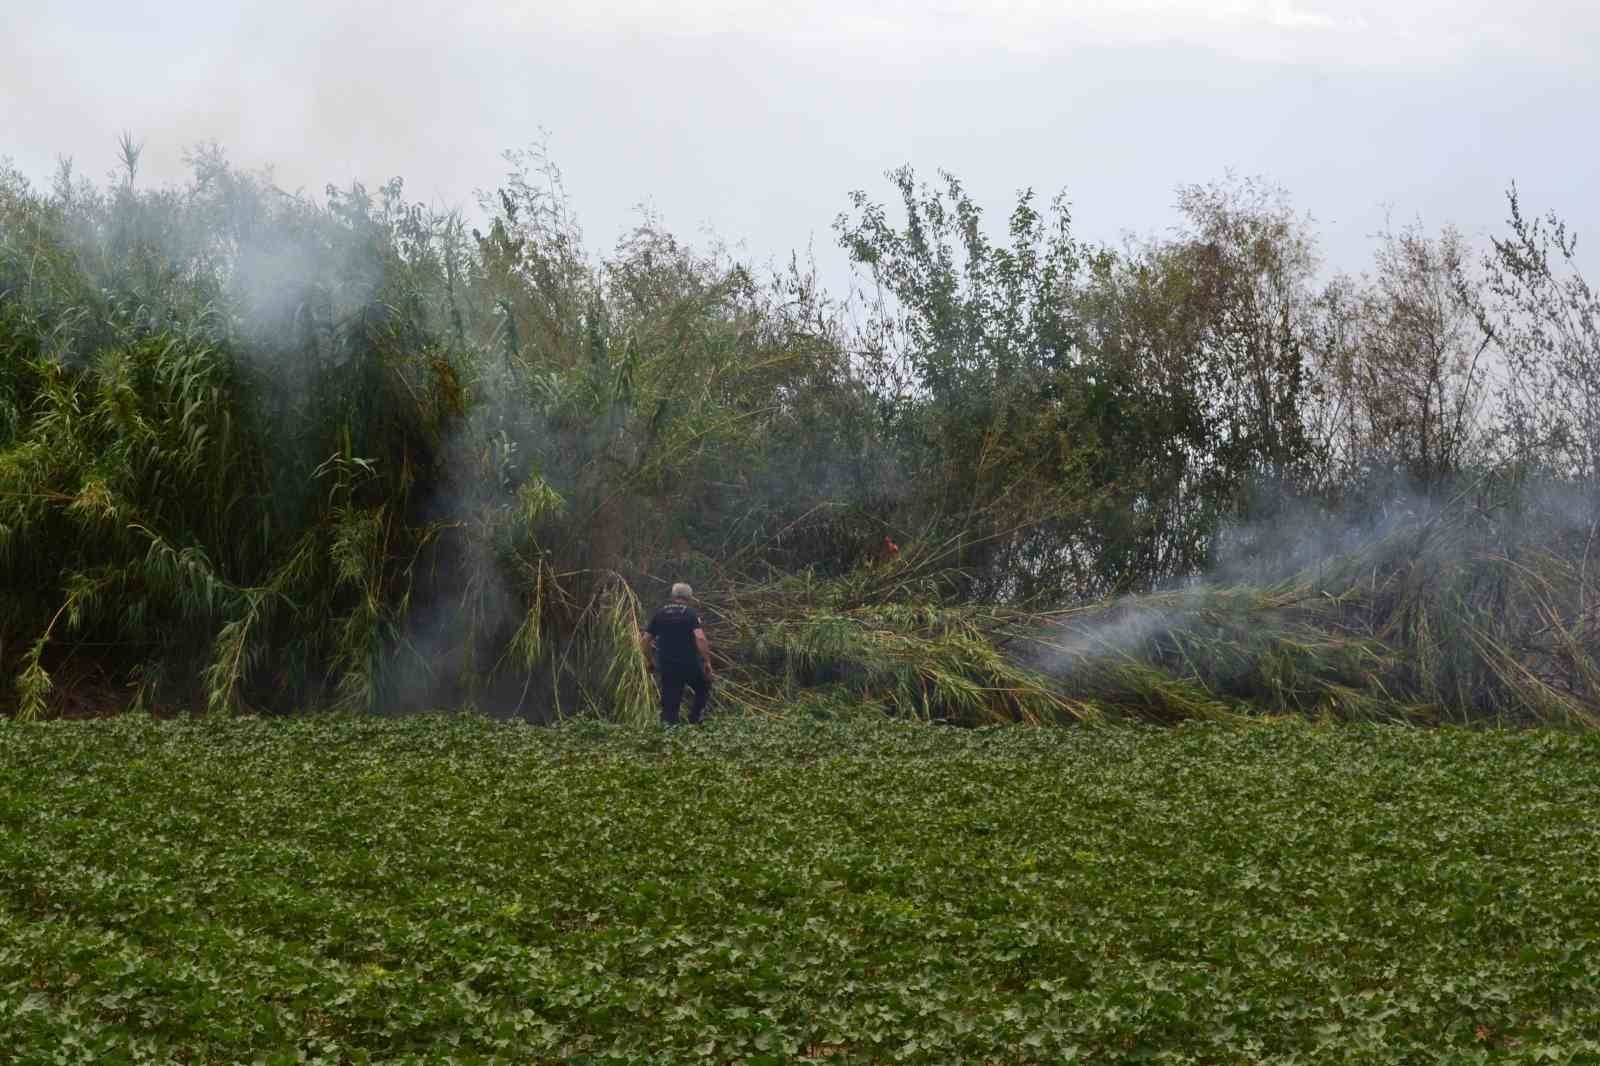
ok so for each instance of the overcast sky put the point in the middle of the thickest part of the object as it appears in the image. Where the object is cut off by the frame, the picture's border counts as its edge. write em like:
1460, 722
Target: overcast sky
755, 120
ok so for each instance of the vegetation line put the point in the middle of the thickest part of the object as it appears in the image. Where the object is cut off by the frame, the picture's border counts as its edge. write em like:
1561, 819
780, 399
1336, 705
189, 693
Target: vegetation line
260, 453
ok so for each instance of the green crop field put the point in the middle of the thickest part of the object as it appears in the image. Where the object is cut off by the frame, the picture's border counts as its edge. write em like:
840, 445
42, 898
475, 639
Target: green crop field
435, 890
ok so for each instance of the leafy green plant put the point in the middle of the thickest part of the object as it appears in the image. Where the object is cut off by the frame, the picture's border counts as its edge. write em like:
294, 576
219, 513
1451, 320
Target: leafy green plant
850, 889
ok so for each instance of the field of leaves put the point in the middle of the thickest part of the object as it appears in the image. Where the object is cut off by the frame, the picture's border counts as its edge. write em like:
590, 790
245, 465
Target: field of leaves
437, 890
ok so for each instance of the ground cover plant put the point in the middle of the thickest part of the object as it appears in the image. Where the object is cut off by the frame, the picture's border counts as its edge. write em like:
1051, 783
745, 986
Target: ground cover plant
860, 890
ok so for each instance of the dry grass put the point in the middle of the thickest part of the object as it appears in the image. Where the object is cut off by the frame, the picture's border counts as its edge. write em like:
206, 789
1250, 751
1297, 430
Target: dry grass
1466, 615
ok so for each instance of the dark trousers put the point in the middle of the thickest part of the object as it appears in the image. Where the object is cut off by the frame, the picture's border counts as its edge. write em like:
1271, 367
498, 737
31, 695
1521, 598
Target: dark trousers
673, 680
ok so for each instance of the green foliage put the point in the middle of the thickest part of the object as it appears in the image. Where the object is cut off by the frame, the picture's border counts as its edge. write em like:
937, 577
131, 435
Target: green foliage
856, 891
1088, 420
973, 348
265, 453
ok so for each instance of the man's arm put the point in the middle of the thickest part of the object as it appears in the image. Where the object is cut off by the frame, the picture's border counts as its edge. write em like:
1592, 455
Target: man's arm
647, 644
703, 646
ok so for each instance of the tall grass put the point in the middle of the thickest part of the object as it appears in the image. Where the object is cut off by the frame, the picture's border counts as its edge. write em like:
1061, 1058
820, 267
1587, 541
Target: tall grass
1481, 609
261, 454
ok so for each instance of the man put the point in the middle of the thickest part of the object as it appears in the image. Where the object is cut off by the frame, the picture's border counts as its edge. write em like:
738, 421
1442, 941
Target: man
682, 655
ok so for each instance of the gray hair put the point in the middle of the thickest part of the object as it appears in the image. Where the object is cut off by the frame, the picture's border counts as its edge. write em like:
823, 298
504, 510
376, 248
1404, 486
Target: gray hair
681, 591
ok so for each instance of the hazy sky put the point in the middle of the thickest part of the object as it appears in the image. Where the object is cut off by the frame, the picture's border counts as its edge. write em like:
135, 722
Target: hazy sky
755, 120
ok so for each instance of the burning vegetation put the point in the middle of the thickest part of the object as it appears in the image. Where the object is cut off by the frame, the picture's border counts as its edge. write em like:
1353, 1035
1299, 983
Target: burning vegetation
260, 453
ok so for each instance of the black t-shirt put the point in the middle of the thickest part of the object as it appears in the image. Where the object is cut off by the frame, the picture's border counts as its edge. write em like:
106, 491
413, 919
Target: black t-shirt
673, 627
